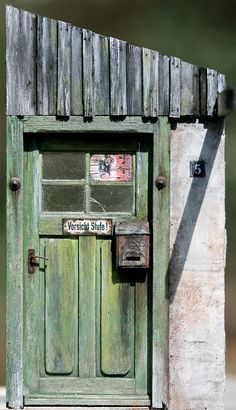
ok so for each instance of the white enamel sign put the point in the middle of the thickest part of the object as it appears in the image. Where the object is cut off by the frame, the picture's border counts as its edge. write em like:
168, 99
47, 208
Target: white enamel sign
87, 227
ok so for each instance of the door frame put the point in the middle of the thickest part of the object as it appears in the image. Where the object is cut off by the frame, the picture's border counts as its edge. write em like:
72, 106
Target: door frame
160, 129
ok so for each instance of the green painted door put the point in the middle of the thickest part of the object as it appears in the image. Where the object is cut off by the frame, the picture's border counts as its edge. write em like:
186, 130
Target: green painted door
86, 324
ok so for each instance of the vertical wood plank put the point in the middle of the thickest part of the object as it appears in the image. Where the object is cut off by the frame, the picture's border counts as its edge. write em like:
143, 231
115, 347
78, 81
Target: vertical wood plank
203, 91
196, 91
101, 75
118, 92
175, 68
34, 312
88, 73
61, 306
20, 62
64, 70
142, 179
221, 83
150, 83
76, 72
87, 305
164, 85
46, 66
134, 80
161, 211
141, 337
14, 265
116, 318
189, 89
212, 87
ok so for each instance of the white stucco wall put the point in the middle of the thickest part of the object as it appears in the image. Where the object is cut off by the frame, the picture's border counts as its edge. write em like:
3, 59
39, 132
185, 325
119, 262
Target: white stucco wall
197, 338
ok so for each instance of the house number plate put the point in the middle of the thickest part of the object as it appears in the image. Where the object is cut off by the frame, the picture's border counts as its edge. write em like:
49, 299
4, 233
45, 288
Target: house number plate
98, 227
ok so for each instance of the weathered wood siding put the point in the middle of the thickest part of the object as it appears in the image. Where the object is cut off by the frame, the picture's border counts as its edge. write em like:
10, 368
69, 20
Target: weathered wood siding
78, 72
197, 339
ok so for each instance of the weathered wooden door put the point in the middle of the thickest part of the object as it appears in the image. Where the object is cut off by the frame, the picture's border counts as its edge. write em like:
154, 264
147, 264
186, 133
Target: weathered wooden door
85, 323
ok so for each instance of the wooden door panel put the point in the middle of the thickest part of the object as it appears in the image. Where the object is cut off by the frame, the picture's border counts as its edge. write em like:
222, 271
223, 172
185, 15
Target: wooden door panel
87, 303
117, 325
61, 306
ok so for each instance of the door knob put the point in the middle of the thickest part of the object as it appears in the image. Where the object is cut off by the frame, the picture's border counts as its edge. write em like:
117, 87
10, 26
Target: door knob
160, 182
32, 260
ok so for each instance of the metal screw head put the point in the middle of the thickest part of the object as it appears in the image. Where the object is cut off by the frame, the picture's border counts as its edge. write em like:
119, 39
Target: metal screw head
160, 182
15, 184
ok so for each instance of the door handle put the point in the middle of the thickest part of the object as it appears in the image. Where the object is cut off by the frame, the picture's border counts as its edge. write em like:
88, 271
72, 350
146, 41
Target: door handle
32, 260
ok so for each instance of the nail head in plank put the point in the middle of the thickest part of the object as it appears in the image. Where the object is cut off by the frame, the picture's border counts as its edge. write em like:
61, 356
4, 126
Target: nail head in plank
118, 92
150, 83
21, 62
175, 65
46, 66
76, 72
134, 80
64, 69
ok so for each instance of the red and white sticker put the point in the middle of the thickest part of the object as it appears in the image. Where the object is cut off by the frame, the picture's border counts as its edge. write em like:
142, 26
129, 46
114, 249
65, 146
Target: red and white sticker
111, 167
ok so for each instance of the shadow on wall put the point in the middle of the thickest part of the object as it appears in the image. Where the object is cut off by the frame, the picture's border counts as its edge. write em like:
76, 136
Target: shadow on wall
193, 206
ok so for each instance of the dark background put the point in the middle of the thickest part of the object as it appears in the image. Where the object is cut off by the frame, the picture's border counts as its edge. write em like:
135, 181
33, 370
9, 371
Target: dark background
203, 33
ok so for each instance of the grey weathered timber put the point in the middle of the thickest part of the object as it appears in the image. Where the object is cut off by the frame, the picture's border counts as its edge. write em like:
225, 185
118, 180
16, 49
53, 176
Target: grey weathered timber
83, 73
175, 66
164, 85
203, 91
88, 73
101, 75
118, 77
134, 80
212, 88
14, 266
64, 70
189, 89
46, 66
160, 319
76, 72
150, 83
21, 62
221, 83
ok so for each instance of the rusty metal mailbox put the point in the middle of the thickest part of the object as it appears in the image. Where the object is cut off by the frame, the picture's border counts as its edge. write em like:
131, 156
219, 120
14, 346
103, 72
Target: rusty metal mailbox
132, 245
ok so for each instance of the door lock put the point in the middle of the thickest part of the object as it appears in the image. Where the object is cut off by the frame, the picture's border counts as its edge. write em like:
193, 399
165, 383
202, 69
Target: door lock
32, 260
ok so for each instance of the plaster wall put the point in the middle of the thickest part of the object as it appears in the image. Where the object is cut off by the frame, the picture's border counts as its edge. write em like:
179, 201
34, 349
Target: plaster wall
198, 242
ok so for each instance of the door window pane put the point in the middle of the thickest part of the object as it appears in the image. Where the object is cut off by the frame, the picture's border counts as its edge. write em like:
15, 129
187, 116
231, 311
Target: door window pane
63, 198
111, 198
63, 165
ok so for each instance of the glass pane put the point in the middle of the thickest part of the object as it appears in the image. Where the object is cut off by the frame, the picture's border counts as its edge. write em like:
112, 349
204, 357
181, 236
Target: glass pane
111, 198
111, 167
63, 165
63, 198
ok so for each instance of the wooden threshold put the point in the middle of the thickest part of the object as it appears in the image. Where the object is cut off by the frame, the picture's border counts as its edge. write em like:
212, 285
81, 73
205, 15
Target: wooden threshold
87, 401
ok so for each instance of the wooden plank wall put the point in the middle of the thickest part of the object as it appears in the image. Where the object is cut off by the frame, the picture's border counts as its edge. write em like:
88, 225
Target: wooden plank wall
78, 72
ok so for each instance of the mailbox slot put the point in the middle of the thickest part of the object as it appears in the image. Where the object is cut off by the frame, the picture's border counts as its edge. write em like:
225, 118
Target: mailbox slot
132, 245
